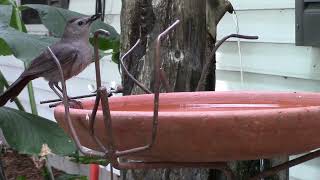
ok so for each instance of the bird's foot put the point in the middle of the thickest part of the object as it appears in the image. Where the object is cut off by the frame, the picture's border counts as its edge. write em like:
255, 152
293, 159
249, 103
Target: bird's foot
72, 104
75, 104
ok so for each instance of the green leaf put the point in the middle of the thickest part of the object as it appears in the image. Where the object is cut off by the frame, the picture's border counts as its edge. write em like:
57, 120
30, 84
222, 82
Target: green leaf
71, 177
21, 178
27, 133
116, 52
24, 46
6, 2
89, 160
4, 48
16, 21
55, 20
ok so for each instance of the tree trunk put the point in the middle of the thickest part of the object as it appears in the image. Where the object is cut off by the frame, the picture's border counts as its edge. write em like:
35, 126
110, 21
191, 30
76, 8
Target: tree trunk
183, 54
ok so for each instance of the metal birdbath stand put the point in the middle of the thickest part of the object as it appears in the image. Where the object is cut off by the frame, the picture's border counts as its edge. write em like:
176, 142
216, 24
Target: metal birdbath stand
110, 152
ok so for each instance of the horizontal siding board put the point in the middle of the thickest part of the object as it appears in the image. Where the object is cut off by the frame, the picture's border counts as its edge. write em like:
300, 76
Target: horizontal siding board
256, 4
274, 59
230, 80
276, 26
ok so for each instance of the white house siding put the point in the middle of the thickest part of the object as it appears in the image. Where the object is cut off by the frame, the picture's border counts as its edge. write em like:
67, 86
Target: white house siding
271, 63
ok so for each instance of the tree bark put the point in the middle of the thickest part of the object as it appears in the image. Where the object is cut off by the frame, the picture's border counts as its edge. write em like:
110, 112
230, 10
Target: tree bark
183, 54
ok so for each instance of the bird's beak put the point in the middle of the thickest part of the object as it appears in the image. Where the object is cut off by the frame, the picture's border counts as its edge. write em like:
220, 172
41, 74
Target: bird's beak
93, 18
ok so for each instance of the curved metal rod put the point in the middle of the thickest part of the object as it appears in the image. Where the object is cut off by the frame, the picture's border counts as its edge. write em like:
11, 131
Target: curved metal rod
107, 121
156, 98
217, 46
210, 62
287, 165
128, 73
157, 65
164, 81
82, 149
96, 54
99, 84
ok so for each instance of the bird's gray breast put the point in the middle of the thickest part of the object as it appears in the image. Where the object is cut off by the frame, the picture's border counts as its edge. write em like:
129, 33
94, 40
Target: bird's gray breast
82, 56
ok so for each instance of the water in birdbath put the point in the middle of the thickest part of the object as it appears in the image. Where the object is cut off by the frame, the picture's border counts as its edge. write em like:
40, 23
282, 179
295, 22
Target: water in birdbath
204, 107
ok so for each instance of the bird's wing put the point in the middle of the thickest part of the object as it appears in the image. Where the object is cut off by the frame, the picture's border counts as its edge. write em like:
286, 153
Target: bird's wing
45, 63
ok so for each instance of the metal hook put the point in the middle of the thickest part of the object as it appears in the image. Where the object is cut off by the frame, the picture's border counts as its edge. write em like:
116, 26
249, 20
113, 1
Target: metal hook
128, 73
209, 63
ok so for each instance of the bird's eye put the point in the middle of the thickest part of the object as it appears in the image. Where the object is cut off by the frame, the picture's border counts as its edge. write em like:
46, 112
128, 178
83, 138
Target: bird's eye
80, 23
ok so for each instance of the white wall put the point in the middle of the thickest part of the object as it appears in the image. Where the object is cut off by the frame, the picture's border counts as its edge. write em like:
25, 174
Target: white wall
271, 63
274, 57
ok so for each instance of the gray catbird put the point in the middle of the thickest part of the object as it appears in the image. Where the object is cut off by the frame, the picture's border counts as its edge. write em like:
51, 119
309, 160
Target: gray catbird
73, 52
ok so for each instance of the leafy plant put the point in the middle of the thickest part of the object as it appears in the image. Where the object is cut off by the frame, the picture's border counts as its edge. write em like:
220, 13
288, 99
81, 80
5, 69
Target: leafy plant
26, 47
77, 158
55, 20
21, 128
21, 178
71, 177
16, 22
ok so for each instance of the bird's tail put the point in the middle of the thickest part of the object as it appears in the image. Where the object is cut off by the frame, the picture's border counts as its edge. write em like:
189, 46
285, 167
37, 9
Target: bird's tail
14, 89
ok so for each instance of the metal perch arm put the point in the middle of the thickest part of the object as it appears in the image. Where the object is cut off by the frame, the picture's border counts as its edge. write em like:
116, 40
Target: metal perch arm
211, 61
82, 149
127, 71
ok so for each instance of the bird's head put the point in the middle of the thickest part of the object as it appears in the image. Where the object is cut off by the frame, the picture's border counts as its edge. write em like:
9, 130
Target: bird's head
79, 28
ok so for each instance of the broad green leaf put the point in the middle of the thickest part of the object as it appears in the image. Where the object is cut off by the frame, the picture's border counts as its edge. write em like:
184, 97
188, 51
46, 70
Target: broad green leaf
7, 2
27, 133
4, 48
24, 46
5, 13
55, 20
116, 52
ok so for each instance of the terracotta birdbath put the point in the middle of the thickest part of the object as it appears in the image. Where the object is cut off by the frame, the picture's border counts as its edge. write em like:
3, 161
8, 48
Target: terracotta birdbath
191, 129
207, 126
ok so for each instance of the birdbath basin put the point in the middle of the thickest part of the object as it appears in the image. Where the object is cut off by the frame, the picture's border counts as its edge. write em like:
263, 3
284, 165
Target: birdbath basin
206, 126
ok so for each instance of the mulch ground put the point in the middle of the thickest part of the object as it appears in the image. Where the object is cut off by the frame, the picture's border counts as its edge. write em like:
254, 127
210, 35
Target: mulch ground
17, 165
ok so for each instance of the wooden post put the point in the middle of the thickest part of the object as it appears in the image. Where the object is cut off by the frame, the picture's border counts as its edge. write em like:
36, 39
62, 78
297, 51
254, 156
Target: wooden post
183, 53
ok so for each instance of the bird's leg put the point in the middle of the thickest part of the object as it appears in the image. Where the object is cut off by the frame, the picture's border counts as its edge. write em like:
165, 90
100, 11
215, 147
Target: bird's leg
53, 87
58, 87
73, 103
